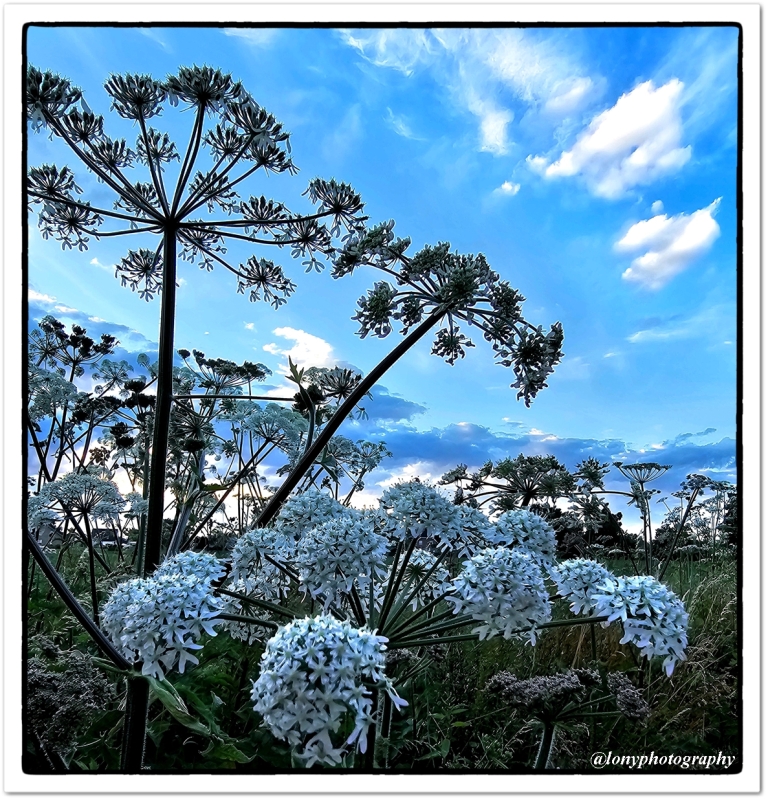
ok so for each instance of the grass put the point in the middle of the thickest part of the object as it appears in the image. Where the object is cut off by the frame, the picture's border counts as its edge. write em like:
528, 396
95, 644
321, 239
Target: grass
452, 723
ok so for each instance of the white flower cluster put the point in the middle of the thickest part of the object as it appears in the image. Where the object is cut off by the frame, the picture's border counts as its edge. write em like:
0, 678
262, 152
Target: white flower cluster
138, 505
82, 493
654, 618
311, 681
504, 590
253, 572
418, 510
338, 554
160, 619
577, 580
304, 511
50, 392
204, 566
438, 583
524, 529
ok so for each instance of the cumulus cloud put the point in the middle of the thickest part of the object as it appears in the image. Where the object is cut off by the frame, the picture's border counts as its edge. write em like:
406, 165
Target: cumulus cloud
38, 297
485, 71
633, 143
130, 341
431, 453
507, 188
668, 244
385, 406
307, 350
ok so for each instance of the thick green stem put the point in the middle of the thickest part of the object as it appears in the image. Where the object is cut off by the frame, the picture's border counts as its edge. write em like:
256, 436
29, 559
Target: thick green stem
345, 409
154, 533
545, 747
135, 725
92, 569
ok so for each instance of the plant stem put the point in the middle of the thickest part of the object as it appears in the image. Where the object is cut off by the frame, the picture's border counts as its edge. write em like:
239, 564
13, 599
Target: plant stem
545, 747
80, 614
135, 725
163, 402
345, 409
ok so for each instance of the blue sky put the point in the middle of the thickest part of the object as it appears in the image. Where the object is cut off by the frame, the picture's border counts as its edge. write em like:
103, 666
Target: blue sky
594, 167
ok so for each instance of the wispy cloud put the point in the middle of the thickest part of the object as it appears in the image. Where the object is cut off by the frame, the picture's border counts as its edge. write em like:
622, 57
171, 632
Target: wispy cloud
714, 321
633, 143
669, 245
486, 71
151, 33
400, 126
258, 37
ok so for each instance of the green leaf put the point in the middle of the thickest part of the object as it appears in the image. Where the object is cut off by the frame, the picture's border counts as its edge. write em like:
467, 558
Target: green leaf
171, 699
226, 751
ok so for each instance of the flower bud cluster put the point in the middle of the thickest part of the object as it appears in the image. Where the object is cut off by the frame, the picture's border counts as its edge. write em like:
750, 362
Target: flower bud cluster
311, 688
505, 591
159, 620
524, 529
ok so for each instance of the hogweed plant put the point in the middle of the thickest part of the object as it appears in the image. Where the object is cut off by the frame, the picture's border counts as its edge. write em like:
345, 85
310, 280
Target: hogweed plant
347, 606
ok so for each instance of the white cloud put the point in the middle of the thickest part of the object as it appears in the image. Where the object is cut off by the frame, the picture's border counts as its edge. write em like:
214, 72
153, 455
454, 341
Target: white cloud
253, 36
416, 469
97, 263
400, 126
485, 70
657, 207
399, 48
633, 143
66, 309
307, 350
249, 326
670, 245
571, 97
152, 34
39, 298
507, 188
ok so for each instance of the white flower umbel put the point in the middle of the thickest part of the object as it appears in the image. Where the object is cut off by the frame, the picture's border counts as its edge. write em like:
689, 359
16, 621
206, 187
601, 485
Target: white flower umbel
505, 591
250, 567
84, 494
160, 619
653, 617
418, 510
333, 557
524, 529
310, 690
577, 580
304, 511
204, 566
